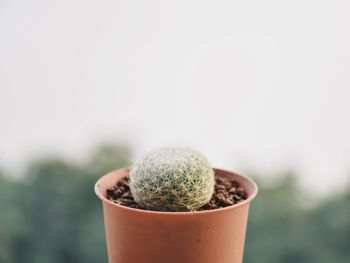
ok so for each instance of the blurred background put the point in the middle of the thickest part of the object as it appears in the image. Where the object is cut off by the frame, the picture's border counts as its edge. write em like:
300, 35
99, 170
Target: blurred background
260, 87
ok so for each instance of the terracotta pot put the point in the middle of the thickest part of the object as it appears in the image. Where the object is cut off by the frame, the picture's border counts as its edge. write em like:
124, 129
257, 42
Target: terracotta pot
139, 236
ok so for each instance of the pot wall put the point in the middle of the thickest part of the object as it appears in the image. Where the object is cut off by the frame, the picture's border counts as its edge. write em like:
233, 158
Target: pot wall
138, 236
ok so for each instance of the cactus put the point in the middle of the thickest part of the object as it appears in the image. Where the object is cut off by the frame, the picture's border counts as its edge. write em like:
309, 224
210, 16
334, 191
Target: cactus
172, 179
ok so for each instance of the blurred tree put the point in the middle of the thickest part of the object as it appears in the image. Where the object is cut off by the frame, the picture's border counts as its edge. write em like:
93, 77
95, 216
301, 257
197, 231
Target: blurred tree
108, 157
53, 215
281, 229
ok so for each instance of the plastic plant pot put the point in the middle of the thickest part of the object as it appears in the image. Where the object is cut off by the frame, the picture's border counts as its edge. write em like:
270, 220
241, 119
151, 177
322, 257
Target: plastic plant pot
142, 236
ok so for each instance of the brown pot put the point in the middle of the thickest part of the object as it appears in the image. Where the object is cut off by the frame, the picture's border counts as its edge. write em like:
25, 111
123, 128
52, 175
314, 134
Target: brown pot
140, 236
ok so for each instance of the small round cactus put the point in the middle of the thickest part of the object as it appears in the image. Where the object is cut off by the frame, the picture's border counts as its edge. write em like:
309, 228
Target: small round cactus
172, 179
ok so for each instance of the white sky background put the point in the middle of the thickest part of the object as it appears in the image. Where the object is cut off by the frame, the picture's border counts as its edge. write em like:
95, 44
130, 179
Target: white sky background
259, 84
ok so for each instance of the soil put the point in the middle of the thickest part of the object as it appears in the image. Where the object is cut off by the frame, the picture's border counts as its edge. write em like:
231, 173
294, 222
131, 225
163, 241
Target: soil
227, 193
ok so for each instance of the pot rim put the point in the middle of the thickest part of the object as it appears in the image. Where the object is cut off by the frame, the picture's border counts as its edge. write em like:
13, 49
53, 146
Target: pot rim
183, 213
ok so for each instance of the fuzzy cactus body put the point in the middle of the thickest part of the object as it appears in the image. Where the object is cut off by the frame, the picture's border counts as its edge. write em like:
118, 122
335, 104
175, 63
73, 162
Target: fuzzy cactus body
172, 179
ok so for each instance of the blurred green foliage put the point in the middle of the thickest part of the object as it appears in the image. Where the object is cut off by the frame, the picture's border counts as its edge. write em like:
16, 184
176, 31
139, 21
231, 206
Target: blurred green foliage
51, 215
